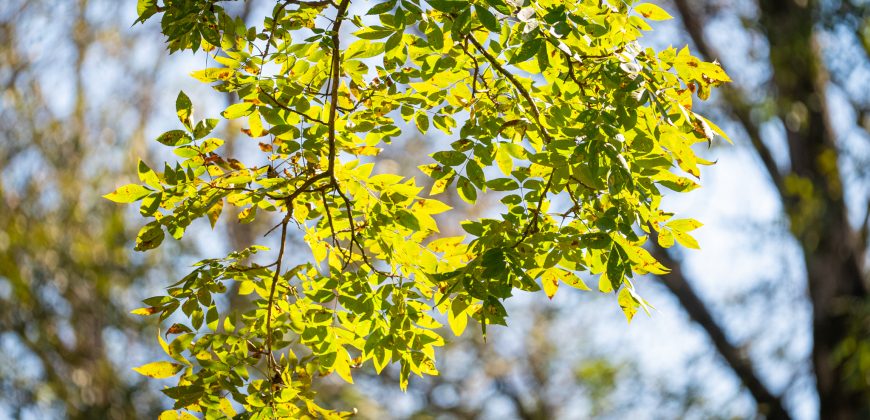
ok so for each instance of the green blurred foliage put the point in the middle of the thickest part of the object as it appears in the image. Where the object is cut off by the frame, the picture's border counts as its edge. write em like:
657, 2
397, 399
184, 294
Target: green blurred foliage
66, 274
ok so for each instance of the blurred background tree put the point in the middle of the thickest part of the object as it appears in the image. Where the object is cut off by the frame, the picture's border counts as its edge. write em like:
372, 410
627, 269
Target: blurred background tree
801, 106
75, 90
769, 319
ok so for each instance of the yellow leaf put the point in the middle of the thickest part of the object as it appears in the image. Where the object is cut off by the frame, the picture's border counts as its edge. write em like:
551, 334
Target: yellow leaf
210, 75
439, 186
550, 281
666, 238
163, 344
342, 365
684, 225
504, 160
215, 212
384, 180
227, 407
676, 143
642, 261
159, 370
457, 317
168, 415
145, 311
247, 287
381, 357
427, 223
427, 321
128, 193
446, 244
628, 303
319, 250
237, 110
256, 124
573, 280
686, 240
604, 285
431, 206
652, 12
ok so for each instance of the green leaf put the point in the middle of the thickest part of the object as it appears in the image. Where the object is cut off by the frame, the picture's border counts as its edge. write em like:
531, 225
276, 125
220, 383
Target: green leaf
603, 152
435, 37
447, 6
449, 157
475, 174
150, 204
143, 6
159, 370
128, 193
466, 190
422, 122
407, 219
487, 18
149, 237
463, 22
184, 109
527, 50
383, 7
501, 6
174, 138
502, 184
374, 33
393, 42
148, 176
204, 127
145, 9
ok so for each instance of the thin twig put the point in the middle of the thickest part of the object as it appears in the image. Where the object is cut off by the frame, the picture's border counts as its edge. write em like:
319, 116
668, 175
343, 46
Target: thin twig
273, 287
289, 109
532, 226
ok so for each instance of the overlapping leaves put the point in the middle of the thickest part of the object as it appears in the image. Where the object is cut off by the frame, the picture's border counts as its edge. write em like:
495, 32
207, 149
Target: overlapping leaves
552, 106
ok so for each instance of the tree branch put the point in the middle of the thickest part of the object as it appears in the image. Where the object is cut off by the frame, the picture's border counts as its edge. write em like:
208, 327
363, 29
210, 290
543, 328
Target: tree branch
272, 288
519, 87
289, 109
768, 403
335, 73
532, 226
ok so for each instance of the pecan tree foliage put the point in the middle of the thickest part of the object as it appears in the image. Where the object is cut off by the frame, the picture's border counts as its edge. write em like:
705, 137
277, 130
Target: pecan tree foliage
552, 105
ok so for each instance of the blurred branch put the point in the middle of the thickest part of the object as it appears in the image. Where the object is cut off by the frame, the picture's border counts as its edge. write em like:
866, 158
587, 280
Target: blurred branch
864, 232
676, 282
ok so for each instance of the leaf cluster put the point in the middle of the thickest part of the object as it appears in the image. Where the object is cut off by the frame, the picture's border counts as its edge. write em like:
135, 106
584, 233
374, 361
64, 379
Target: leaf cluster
552, 105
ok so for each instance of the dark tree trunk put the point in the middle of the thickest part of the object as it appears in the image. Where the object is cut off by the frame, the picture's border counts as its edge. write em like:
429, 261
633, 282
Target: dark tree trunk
810, 189
814, 197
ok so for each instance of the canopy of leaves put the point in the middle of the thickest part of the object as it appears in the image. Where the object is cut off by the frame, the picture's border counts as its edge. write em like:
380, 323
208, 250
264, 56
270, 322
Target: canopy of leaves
552, 105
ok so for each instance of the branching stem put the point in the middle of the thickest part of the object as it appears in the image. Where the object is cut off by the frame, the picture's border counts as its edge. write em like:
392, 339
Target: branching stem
532, 226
